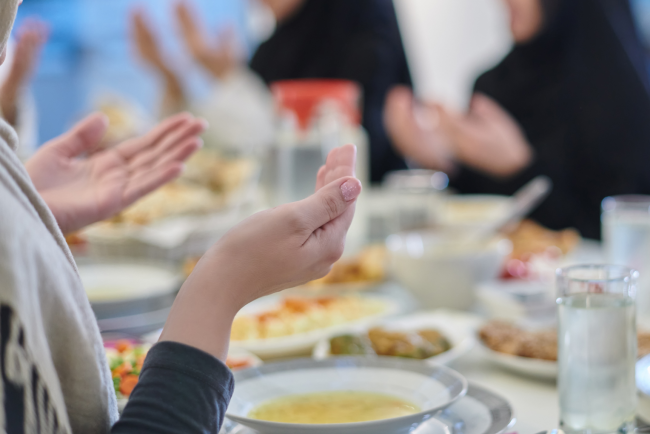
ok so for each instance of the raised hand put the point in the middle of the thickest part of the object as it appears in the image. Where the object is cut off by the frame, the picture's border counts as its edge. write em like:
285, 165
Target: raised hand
30, 39
487, 139
270, 251
82, 188
415, 130
219, 58
147, 47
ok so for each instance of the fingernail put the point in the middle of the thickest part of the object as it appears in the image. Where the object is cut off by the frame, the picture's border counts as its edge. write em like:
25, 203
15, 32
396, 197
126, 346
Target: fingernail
351, 189
200, 143
205, 123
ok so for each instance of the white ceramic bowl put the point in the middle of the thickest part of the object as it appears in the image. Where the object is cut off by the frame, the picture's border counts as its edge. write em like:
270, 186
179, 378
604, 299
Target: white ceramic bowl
460, 337
473, 211
442, 272
432, 388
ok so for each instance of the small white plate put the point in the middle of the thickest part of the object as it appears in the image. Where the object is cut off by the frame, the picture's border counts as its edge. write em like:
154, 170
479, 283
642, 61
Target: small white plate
452, 327
478, 412
432, 388
303, 343
538, 368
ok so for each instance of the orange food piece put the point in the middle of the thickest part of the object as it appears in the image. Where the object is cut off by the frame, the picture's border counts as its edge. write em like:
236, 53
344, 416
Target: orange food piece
122, 370
122, 346
140, 361
234, 363
128, 384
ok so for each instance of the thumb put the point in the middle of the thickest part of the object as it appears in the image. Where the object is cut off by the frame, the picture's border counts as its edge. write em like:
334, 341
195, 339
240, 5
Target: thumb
84, 136
329, 203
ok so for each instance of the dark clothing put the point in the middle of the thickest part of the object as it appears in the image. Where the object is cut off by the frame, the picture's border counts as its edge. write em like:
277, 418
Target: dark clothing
181, 390
356, 40
580, 92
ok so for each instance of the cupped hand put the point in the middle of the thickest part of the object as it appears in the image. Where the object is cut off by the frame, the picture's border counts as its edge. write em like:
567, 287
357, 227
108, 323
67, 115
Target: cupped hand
487, 139
270, 251
30, 39
415, 132
82, 188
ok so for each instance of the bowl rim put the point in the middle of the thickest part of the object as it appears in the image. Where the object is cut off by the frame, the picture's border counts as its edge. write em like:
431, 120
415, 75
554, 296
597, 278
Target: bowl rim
353, 362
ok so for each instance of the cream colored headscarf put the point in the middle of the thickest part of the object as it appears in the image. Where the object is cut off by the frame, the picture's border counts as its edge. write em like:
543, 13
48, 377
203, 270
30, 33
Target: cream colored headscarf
8, 9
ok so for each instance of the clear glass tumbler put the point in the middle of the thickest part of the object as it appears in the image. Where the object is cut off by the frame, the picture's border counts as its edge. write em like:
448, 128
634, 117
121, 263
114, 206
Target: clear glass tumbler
626, 240
597, 348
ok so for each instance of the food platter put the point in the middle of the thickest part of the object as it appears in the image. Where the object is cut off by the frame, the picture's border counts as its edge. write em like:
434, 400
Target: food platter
450, 326
303, 343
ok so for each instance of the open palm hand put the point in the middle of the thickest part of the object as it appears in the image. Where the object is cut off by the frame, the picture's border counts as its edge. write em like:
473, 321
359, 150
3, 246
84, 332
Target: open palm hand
82, 187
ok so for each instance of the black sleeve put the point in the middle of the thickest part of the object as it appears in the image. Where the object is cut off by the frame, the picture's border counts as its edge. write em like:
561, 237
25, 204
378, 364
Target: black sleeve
181, 390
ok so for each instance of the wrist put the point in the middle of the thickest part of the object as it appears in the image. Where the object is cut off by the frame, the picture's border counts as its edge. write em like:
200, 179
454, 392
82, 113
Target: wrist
203, 312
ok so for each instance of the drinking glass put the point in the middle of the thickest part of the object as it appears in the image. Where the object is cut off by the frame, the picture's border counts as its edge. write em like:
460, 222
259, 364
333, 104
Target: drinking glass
626, 240
597, 348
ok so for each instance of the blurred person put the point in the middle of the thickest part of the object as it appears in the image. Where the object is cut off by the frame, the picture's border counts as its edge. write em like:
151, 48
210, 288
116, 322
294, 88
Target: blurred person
570, 101
17, 104
336, 39
238, 106
55, 377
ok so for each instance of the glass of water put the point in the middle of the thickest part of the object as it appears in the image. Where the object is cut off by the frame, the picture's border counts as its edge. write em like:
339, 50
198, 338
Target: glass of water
626, 240
597, 348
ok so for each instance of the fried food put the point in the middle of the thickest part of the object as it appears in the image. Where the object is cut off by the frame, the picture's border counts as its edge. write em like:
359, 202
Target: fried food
507, 338
416, 344
531, 238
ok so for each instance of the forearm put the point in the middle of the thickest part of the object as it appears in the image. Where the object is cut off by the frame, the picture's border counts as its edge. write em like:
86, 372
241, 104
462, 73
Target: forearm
174, 99
181, 389
204, 310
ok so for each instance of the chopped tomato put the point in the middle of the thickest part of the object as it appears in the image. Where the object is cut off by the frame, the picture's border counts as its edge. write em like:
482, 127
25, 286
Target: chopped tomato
123, 346
128, 384
238, 363
124, 369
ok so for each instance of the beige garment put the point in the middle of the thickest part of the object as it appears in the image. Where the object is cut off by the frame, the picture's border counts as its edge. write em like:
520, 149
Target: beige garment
50, 337
8, 10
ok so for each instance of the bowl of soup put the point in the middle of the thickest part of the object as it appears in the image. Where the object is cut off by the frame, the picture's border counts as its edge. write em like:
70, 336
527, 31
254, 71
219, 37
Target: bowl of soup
352, 395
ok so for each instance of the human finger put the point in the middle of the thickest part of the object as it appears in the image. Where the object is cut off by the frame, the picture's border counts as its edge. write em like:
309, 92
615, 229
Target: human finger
341, 162
133, 147
180, 152
320, 178
147, 156
327, 204
147, 181
83, 137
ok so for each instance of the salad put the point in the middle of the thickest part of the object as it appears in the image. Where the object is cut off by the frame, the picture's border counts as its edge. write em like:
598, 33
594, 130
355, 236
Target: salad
125, 359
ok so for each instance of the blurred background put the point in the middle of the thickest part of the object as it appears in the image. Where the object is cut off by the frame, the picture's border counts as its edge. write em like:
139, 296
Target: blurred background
89, 54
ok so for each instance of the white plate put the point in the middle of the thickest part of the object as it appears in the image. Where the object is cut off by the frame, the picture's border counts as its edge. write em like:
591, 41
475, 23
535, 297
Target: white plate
432, 388
107, 283
303, 343
478, 412
544, 369
453, 328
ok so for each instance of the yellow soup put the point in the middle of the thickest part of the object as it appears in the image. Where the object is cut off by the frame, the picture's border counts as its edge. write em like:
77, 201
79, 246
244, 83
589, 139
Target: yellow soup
333, 407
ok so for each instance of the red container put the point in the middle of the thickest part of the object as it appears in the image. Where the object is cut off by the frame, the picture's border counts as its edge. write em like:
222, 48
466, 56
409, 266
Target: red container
303, 97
